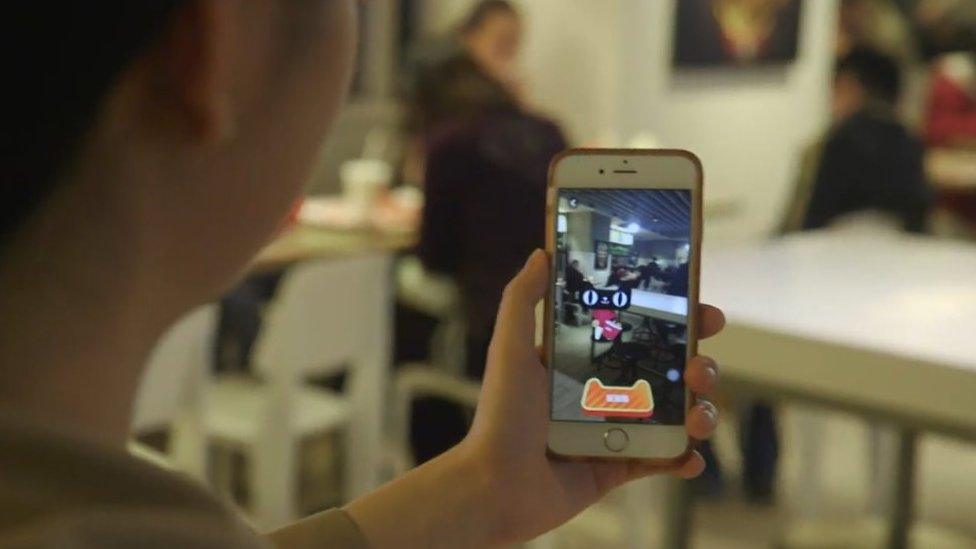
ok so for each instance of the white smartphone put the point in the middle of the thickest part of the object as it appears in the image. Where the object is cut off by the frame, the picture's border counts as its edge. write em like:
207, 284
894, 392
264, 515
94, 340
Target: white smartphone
624, 237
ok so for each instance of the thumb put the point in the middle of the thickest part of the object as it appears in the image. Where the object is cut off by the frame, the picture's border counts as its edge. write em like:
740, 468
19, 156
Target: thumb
516, 315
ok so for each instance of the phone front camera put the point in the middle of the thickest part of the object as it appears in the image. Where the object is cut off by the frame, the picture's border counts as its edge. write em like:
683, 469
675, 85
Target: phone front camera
601, 170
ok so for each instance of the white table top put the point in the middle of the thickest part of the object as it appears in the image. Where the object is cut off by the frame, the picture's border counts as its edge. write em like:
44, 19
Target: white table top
885, 321
665, 307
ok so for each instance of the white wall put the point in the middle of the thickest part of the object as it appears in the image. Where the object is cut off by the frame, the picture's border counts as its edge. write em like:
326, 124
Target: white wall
604, 69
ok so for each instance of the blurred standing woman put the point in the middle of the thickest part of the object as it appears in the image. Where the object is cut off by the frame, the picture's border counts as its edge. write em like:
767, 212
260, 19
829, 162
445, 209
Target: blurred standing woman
457, 82
486, 168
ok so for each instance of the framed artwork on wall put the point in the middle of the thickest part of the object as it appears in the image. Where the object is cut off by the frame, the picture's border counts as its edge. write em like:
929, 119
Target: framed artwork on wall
736, 33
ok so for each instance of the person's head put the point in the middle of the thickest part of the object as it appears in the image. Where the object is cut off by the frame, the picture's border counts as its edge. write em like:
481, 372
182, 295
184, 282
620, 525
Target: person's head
855, 15
159, 144
492, 35
864, 76
575, 263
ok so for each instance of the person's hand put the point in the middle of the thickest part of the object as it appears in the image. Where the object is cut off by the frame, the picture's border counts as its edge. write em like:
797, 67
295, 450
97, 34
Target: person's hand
532, 492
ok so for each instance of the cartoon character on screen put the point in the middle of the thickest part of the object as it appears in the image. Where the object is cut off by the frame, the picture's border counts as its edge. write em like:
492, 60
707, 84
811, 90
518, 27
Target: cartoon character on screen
606, 327
605, 304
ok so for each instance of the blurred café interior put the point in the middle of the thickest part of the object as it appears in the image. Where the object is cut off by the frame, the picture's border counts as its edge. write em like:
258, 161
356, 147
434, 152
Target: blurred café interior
838, 139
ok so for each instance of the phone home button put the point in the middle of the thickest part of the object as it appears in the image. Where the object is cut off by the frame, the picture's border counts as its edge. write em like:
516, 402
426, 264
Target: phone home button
615, 439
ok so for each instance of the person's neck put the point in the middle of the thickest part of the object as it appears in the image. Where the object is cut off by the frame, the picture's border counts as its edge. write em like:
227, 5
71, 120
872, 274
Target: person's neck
76, 322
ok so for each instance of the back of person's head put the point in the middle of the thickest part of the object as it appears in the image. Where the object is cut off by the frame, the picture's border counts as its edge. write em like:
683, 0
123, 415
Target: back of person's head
877, 74
63, 58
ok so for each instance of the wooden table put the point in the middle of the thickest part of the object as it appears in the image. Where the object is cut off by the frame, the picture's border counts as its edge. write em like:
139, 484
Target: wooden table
308, 243
884, 327
304, 242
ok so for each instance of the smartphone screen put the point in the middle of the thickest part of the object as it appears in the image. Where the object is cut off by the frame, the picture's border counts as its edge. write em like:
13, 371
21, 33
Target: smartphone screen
621, 305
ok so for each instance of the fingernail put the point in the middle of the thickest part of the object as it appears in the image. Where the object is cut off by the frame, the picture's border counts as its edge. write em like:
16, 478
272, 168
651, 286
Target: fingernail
711, 373
708, 409
532, 256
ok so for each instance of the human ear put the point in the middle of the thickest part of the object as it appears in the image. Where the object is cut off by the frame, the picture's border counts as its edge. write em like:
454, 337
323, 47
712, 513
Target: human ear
195, 57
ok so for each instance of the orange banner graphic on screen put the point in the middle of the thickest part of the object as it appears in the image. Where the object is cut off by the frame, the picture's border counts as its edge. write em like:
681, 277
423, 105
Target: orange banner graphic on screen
600, 400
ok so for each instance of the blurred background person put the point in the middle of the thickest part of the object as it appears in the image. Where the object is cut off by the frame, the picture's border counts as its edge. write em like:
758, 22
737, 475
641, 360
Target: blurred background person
621, 276
678, 284
485, 177
951, 109
648, 272
868, 160
456, 81
950, 134
946, 33
575, 280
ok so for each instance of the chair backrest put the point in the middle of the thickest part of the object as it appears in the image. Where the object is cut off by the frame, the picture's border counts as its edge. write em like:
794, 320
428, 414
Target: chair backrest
437, 296
316, 322
175, 369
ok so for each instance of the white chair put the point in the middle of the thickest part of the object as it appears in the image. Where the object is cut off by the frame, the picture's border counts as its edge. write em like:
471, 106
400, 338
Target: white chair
415, 381
441, 377
437, 296
329, 316
170, 391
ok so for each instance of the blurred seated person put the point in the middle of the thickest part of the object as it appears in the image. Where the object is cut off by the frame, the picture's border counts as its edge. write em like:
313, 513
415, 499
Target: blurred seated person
678, 283
647, 272
951, 111
575, 280
485, 182
576, 283
869, 160
621, 276
950, 122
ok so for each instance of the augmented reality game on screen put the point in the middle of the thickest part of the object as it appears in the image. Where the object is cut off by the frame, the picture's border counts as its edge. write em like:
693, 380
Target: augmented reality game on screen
621, 304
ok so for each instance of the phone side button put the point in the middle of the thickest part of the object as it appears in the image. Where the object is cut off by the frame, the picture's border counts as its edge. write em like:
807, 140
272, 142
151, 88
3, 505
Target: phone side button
615, 439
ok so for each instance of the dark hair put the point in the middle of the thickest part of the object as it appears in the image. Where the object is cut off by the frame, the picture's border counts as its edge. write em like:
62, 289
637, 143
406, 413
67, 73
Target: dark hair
63, 57
878, 73
482, 11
